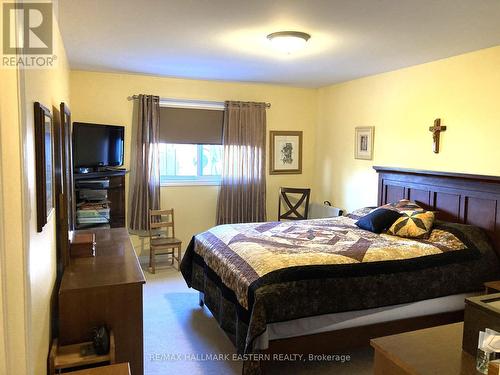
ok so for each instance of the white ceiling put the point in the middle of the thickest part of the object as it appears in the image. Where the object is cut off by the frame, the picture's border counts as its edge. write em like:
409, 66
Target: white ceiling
226, 39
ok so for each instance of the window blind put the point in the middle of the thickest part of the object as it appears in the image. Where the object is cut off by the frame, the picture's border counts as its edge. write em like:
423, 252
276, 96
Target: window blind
191, 125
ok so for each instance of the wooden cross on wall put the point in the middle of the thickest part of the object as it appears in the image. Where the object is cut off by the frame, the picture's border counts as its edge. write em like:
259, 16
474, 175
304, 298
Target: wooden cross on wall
436, 129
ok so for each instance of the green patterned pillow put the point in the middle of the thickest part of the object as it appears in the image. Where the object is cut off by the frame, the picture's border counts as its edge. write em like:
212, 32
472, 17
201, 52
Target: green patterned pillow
416, 224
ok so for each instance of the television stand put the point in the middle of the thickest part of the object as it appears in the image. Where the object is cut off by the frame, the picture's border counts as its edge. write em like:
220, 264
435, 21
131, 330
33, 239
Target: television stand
100, 198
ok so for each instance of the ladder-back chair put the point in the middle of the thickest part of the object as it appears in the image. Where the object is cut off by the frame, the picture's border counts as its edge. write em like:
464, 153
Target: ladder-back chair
162, 237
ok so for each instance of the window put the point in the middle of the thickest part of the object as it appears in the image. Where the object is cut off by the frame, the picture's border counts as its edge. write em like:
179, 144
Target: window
190, 141
188, 163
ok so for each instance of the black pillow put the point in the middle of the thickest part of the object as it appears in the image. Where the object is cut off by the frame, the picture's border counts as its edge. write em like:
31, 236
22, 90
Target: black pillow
378, 220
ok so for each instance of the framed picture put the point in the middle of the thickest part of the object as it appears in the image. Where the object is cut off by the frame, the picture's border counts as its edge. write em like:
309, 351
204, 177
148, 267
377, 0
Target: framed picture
44, 164
286, 152
364, 143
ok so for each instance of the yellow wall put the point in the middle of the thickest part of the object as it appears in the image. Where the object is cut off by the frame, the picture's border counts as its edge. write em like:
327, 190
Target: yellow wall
102, 98
49, 87
463, 91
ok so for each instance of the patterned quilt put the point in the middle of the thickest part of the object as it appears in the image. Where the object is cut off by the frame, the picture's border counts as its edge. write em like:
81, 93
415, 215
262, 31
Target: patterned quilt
255, 274
242, 253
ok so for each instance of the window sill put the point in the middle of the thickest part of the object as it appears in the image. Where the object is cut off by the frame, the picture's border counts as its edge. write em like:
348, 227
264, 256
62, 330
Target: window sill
189, 183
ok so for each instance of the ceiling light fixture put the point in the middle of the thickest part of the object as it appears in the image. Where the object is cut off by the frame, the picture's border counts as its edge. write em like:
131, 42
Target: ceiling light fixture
288, 41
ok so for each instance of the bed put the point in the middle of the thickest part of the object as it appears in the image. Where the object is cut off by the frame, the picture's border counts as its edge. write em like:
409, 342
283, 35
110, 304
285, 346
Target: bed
325, 284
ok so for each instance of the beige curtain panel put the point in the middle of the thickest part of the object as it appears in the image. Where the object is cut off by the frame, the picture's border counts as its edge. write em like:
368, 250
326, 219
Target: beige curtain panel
242, 195
145, 174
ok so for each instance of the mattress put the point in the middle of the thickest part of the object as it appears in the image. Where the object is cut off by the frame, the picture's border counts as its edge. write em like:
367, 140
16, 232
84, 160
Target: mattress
359, 318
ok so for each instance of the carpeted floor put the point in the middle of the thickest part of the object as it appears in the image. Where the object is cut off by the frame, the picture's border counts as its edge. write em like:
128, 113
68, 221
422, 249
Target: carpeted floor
179, 336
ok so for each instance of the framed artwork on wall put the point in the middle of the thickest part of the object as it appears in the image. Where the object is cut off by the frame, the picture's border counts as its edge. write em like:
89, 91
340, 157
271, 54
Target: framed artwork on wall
286, 152
363, 145
44, 145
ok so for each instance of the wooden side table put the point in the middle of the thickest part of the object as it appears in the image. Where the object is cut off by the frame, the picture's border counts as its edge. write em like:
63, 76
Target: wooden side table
491, 287
117, 369
494, 368
68, 356
436, 350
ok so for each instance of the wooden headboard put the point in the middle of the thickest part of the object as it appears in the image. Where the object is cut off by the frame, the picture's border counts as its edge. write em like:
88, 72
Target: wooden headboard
456, 197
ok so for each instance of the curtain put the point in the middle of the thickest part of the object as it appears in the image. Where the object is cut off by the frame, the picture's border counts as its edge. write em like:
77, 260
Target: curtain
145, 174
242, 195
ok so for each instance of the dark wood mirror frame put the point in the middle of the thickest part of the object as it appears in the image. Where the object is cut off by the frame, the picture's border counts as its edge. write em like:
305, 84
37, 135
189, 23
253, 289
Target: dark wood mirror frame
44, 161
66, 216
63, 190
67, 133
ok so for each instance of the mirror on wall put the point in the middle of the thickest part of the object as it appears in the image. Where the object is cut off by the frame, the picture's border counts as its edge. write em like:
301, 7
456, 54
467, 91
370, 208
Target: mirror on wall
44, 157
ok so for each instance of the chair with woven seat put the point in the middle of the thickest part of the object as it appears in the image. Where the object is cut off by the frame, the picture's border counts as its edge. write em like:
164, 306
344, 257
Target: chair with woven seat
161, 242
293, 210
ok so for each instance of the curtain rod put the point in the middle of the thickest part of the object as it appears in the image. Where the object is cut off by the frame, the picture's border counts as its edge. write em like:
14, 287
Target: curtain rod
133, 97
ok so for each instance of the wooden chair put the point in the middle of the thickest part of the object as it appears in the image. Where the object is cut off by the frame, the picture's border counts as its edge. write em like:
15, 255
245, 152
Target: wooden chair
159, 238
292, 212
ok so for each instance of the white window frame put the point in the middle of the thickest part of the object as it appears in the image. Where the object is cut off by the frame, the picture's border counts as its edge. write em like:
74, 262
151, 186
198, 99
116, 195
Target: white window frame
196, 180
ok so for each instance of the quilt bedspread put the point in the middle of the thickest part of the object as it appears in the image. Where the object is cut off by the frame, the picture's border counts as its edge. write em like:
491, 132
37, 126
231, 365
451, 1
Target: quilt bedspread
242, 253
255, 274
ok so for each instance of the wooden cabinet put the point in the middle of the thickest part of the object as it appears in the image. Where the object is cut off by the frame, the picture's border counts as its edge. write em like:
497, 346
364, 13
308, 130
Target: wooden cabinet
105, 290
118, 369
491, 287
435, 350
115, 199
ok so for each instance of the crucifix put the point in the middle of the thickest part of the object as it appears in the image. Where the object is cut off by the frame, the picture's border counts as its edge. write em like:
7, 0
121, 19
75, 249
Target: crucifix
436, 129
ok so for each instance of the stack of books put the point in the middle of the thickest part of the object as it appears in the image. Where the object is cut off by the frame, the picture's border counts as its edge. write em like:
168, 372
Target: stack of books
92, 213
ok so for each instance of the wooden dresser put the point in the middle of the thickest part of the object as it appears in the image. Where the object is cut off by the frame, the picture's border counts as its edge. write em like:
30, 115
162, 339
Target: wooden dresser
436, 350
105, 290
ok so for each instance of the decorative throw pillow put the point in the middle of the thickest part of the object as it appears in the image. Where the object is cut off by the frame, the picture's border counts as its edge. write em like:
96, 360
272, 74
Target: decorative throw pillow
360, 212
378, 220
403, 205
414, 224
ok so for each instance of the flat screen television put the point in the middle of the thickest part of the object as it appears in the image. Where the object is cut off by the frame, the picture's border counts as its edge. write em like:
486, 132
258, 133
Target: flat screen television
96, 145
